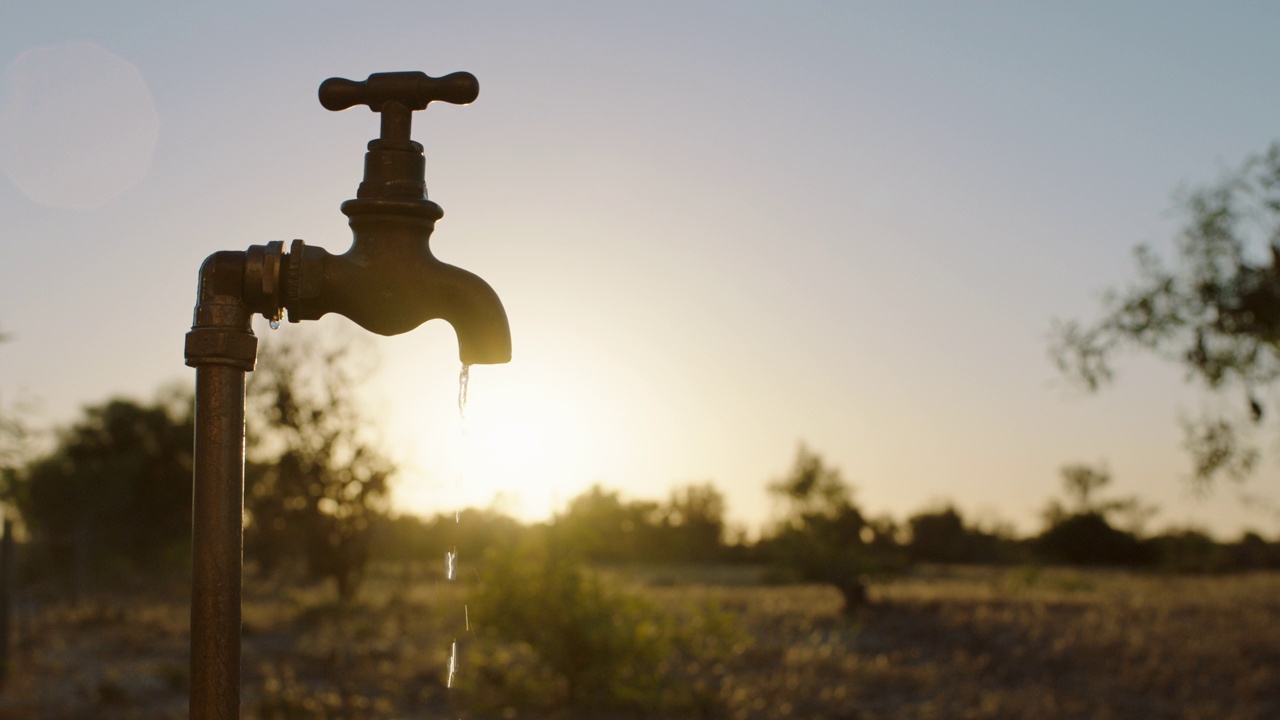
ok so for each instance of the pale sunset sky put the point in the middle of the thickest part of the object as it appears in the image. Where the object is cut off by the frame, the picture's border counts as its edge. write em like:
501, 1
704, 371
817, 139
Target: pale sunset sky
719, 229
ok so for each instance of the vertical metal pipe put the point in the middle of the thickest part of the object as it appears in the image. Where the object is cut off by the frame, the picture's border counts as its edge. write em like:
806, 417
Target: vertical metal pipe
222, 348
218, 500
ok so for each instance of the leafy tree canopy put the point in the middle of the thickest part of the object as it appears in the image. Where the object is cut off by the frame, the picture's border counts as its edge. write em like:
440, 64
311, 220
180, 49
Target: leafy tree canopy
823, 536
316, 477
117, 484
1215, 310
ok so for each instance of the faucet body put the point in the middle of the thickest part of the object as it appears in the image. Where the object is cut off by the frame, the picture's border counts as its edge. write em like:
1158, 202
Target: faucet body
388, 282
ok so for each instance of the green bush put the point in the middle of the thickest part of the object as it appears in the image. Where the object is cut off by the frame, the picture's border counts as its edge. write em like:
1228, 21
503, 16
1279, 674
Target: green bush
555, 634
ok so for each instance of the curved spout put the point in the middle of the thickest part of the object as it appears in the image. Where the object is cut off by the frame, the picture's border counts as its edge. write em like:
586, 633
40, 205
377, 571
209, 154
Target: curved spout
390, 283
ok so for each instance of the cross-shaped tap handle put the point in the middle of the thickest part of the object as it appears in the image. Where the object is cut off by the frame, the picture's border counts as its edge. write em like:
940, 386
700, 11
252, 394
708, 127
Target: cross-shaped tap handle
397, 94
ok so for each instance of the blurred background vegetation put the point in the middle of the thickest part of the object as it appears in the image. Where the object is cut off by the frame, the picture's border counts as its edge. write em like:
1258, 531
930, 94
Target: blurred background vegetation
615, 607
353, 610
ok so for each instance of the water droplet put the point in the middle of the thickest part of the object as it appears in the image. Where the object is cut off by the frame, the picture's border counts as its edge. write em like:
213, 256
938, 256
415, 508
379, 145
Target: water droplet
274, 323
464, 378
453, 662
451, 563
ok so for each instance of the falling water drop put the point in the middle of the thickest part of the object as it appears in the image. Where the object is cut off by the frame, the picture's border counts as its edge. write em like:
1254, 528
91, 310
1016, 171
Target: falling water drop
451, 555
274, 323
453, 663
464, 377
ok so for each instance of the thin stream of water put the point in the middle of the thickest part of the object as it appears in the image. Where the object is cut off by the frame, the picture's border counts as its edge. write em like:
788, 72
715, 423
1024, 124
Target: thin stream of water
451, 555
453, 663
464, 379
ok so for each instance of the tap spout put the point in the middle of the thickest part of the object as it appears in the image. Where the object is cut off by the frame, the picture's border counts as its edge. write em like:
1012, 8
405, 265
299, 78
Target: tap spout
389, 282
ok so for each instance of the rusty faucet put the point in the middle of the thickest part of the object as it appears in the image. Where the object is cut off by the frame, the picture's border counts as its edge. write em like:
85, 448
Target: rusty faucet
388, 282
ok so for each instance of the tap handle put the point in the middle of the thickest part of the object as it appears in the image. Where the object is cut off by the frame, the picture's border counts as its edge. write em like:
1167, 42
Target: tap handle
413, 90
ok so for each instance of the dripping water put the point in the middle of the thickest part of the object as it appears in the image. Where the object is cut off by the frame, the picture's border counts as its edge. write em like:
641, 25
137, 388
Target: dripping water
274, 323
451, 555
464, 378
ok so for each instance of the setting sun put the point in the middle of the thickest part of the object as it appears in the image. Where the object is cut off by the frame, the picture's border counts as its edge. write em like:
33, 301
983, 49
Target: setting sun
524, 445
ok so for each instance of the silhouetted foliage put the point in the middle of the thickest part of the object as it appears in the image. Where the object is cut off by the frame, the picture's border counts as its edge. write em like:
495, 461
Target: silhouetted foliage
939, 536
693, 524
603, 528
1192, 551
1081, 483
824, 537
469, 533
1088, 539
315, 479
1252, 552
116, 488
1080, 532
942, 536
1216, 312
688, 527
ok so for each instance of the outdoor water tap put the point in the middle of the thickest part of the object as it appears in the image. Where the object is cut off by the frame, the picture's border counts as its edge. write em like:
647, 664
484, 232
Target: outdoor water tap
388, 282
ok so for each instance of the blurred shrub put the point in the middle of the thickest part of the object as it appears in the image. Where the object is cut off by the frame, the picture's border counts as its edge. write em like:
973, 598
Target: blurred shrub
409, 538
316, 477
942, 536
1190, 551
559, 635
114, 492
688, 527
824, 537
1088, 539
1251, 552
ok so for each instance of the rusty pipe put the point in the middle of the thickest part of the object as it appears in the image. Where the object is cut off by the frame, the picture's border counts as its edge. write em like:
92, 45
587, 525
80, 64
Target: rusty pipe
222, 348
388, 282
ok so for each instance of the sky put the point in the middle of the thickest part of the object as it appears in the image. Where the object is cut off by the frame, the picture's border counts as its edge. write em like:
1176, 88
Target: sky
719, 229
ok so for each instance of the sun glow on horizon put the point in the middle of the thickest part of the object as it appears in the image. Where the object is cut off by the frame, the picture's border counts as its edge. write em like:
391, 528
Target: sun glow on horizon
519, 449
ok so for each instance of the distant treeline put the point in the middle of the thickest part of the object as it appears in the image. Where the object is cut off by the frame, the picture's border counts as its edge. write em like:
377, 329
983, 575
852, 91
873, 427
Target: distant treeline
599, 526
113, 495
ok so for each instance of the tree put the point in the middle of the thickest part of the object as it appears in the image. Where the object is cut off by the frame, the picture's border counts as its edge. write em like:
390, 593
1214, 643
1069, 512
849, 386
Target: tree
1081, 483
940, 536
600, 650
315, 479
116, 488
1216, 312
600, 527
943, 536
693, 523
823, 537
1081, 533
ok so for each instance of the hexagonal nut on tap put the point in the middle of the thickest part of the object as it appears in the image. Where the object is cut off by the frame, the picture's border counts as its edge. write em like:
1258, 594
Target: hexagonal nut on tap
304, 278
262, 279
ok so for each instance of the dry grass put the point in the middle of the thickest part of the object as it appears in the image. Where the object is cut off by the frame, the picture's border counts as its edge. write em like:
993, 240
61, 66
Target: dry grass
961, 643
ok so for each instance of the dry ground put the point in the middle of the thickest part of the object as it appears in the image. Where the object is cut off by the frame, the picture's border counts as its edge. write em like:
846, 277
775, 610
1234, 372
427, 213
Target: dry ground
939, 643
